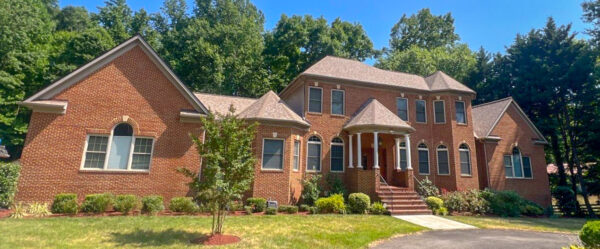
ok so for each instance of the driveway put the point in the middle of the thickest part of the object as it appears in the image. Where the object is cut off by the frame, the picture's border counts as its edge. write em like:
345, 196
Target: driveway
481, 238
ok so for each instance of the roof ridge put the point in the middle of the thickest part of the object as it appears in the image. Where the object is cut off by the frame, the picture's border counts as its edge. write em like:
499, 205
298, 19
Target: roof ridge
223, 95
493, 102
361, 62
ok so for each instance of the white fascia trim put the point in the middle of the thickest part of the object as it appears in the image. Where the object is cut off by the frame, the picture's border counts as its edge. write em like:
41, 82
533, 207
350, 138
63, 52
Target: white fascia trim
37, 106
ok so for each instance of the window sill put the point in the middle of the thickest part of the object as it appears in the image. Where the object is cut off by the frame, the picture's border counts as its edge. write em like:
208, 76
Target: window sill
461, 124
443, 174
315, 113
469, 176
439, 123
336, 172
313, 171
519, 178
338, 115
271, 170
102, 171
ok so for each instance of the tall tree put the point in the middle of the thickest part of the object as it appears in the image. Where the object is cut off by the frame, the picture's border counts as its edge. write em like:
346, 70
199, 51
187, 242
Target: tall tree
591, 14
73, 18
116, 17
423, 30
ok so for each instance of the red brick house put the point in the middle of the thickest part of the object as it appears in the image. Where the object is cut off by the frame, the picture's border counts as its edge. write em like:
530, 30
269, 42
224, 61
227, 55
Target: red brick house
120, 124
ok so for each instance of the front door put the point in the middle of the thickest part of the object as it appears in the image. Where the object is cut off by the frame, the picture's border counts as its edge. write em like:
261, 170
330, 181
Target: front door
382, 164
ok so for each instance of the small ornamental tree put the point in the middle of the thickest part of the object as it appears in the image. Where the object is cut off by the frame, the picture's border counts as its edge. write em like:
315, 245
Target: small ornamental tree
227, 163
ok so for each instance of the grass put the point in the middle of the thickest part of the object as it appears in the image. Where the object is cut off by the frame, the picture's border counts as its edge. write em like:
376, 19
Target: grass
562, 225
282, 231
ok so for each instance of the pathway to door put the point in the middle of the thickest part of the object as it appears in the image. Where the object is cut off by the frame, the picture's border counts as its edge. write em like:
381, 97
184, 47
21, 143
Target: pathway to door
434, 222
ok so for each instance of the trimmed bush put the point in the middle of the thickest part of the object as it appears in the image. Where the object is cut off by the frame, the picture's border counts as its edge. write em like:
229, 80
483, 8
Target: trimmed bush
358, 203
183, 204
530, 208
506, 203
311, 190
331, 204
9, 174
65, 204
313, 210
471, 201
97, 203
304, 208
441, 211
248, 210
566, 201
436, 205
127, 203
590, 234
152, 204
258, 204
288, 209
377, 208
271, 211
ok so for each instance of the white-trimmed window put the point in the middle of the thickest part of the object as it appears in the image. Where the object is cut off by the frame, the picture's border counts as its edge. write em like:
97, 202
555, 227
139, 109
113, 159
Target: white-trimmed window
403, 164
461, 115
443, 167
337, 155
296, 155
313, 155
272, 158
421, 106
119, 151
315, 99
465, 160
402, 108
439, 111
517, 166
337, 102
423, 159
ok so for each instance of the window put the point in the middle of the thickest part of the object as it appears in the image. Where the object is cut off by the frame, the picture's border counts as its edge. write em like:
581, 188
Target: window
313, 161
461, 117
337, 155
421, 114
272, 154
402, 108
119, 151
315, 95
296, 155
516, 165
423, 159
442, 156
337, 102
439, 110
403, 164
465, 159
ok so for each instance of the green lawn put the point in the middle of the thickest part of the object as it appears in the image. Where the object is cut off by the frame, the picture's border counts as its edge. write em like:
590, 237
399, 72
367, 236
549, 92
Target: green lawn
282, 231
563, 225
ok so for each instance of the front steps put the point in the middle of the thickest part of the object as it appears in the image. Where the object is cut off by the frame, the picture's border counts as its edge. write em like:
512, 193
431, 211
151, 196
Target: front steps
402, 201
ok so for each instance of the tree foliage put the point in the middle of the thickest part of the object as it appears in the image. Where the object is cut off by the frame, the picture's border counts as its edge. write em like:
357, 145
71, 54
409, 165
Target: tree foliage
423, 30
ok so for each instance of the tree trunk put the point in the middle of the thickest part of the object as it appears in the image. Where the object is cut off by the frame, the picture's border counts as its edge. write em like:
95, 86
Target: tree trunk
588, 206
558, 159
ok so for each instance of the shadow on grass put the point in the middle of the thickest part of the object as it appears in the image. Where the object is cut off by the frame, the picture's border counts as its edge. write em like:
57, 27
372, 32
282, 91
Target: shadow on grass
142, 237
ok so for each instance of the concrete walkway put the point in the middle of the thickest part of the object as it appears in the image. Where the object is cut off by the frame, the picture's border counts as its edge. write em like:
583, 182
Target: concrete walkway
434, 222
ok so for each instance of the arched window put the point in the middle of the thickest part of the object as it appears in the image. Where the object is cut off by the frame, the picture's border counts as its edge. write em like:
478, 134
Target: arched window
337, 155
119, 151
423, 159
313, 157
442, 160
465, 159
516, 165
403, 155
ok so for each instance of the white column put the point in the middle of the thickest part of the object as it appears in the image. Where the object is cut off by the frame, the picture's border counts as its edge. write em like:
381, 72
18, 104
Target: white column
408, 160
359, 151
375, 151
398, 153
350, 151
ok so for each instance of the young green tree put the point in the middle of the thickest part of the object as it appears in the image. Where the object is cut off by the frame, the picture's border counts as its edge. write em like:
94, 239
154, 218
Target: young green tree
423, 30
227, 163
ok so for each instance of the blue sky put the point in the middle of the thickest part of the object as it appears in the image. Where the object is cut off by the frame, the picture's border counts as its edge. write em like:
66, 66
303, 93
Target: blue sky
491, 24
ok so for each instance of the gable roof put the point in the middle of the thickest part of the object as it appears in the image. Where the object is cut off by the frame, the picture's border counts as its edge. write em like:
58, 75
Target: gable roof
356, 71
220, 103
82, 72
271, 108
375, 116
487, 115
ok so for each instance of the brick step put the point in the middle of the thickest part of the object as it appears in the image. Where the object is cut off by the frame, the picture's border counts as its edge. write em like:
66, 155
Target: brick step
400, 195
408, 212
388, 188
407, 207
402, 202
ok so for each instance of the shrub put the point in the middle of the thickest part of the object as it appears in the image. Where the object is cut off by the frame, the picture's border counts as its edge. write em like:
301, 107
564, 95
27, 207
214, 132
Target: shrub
506, 203
531, 208
236, 206
358, 203
313, 210
18, 211
183, 204
152, 204
304, 208
466, 201
331, 204
38, 209
127, 203
288, 209
336, 185
549, 211
566, 200
271, 211
441, 211
427, 188
436, 205
9, 174
311, 190
257, 204
97, 203
248, 210
590, 234
65, 204
377, 208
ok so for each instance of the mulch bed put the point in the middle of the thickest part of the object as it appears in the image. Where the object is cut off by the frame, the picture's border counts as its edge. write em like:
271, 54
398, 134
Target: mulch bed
5, 213
216, 240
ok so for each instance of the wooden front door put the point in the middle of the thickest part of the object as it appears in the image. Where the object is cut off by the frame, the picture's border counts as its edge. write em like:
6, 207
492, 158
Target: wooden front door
382, 164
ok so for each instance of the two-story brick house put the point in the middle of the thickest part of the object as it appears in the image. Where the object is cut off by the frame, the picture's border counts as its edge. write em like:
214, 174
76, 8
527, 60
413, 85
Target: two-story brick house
120, 124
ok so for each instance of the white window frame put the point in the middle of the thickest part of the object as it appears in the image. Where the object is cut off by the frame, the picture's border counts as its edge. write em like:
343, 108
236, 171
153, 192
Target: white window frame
262, 155
108, 147
343, 156
405, 152
294, 157
416, 110
468, 150
308, 104
464, 112
407, 109
419, 160
331, 102
512, 163
308, 142
437, 156
443, 112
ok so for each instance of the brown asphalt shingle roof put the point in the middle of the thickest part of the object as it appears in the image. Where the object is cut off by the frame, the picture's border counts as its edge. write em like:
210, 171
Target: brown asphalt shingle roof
374, 115
439, 81
270, 107
485, 115
220, 104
